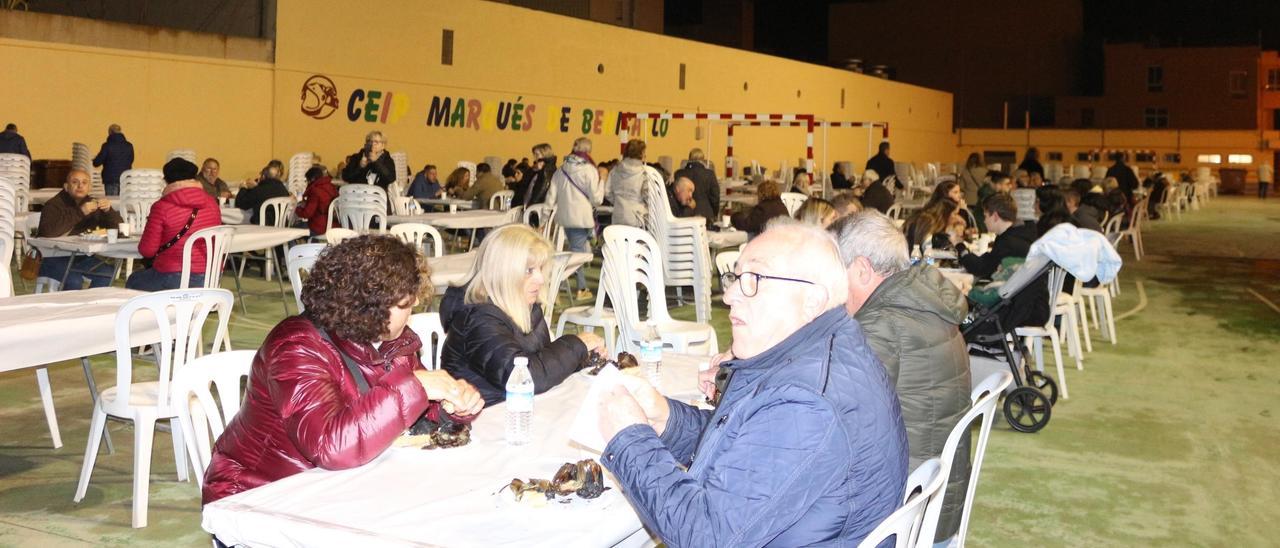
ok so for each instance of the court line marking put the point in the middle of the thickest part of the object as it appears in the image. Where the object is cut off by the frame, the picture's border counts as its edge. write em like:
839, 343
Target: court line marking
1142, 303
1264, 300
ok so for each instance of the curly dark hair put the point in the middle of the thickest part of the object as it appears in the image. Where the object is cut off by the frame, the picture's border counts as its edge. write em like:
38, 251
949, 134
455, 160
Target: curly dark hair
353, 285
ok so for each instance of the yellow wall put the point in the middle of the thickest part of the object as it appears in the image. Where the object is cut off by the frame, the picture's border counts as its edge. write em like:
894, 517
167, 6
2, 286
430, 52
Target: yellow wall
247, 112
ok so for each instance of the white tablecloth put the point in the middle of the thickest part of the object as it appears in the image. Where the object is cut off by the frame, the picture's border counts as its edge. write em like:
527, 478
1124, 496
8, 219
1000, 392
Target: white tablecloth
232, 216
453, 203
247, 238
726, 238
448, 270
462, 220
444, 497
51, 327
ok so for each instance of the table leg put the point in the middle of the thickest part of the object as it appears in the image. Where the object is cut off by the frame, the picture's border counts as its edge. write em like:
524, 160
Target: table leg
46, 397
243, 308
280, 282
70, 261
93, 393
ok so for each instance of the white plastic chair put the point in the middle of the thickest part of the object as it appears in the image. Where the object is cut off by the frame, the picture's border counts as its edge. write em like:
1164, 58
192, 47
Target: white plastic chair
427, 326
1134, 232
923, 486
984, 399
1034, 335
415, 233
501, 200
401, 160
590, 317
632, 257
217, 240
301, 258
358, 217
1098, 300
725, 261
337, 235
184, 153
894, 211
146, 402
559, 271
793, 201
204, 417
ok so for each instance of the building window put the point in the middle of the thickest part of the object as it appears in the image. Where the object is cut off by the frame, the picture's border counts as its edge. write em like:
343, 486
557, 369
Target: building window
1155, 117
1239, 158
1086, 117
1055, 156
1273, 79
1155, 78
1173, 158
1237, 81
1209, 158
1145, 156
1086, 156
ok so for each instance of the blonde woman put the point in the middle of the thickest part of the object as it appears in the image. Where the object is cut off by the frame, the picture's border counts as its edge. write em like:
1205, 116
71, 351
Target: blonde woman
816, 211
495, 315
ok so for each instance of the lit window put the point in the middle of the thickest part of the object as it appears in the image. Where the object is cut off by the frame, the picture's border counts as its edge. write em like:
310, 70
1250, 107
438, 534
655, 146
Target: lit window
1239, 158
1237, 81
1209, 158
1155, 78
1155, 117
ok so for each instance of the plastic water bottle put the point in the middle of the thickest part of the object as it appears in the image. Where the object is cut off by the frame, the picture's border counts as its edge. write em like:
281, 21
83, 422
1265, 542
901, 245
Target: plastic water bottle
928, 251
519, 403
651, 354
915, 255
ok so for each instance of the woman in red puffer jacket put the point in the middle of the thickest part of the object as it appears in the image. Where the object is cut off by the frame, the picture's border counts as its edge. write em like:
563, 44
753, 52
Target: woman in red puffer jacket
304, 408
315, 201
183, 209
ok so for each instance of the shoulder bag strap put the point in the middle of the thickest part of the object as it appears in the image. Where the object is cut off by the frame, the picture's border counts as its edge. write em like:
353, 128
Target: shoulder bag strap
176, 237
362, 385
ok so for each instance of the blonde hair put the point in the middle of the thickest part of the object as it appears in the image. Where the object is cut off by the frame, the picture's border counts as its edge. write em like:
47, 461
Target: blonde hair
497, 276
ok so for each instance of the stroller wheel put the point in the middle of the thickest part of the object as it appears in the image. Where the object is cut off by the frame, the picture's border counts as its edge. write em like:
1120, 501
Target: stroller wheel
1027, 409
1046, 385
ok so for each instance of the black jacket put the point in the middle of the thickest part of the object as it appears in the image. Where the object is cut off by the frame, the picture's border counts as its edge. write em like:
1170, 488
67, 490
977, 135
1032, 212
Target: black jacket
1014, 242
115, 157
877, 196
533, 189
1124, 175
706, 189
754, 220
384, 168
252, 198
13, 143
882, 164
840, 182
482, 343
1032, 166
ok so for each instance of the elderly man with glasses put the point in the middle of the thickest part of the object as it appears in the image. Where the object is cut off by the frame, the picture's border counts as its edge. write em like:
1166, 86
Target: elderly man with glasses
806, 445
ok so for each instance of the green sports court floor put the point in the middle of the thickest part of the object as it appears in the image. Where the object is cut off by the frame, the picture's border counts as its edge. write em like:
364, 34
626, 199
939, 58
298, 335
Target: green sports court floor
1170, 438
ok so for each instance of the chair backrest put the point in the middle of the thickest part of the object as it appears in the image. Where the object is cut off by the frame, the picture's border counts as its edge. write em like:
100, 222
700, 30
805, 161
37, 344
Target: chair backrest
632, 257
894, 211
404, 205
278, 210
217, 243
337, 235
513, 215
725, 260
204, 417
184, 153
178, 316
415, 233
984, 399
427, 326
924, 485
298, 165
559, 267
501, 200
298, 260
793, 201
358, 216
1112, 226
401, 160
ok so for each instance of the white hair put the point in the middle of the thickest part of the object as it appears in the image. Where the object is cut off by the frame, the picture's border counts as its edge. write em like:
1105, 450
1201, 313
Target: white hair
873, 235
375, 133
813, 254
582, 144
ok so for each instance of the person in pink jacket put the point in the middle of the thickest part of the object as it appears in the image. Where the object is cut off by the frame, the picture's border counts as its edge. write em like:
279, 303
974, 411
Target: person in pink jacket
183, 209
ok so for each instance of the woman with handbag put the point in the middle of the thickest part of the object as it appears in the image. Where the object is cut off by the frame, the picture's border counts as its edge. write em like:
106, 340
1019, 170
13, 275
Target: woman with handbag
183, 209
575, 192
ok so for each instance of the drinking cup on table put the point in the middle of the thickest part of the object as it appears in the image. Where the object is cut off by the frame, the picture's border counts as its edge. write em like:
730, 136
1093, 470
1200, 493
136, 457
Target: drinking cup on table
112, 235
724, 221
124, 229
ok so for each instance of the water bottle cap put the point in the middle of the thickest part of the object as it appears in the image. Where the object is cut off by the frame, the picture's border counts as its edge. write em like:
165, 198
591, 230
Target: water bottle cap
521, 360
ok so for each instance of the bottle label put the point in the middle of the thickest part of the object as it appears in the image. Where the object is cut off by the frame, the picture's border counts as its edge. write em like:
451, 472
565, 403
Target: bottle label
650, 352
519, 401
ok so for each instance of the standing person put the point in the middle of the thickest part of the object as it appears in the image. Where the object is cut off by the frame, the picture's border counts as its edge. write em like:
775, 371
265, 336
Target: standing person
426, 184
706, 188
11, 142
971, 178
1124, 176
806, 446
628, 183
1031, 163
1266, 174
115, 157
371, 164
575, 192
315, 201
72, 211
486, 185
533, 188
254, 192
208, 177
183, 210
882, 164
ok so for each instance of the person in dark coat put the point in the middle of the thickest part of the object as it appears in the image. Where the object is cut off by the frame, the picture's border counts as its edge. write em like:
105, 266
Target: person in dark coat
1083, 215
876, 195
371, 164
254, 193
768, 207
426, 184
495, 316
1031, 162
1013, 237
706, 188
911, 316
304, 407
1125, 176
115, 157
11, 142
70, 212
806, 445
881, 163
533, 188
839, 180
208, 177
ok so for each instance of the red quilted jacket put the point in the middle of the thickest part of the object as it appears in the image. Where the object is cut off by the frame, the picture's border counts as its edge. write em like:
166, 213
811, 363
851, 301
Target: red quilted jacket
166, 219
315, 204
303, 409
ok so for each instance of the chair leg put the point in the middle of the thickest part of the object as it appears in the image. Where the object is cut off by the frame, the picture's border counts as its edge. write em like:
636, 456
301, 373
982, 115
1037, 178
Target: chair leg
1111, 319
1080, 306
1057, 358
96, 425
1037, 350
93, 395
284, 298
179, 450
46, 398
144, 430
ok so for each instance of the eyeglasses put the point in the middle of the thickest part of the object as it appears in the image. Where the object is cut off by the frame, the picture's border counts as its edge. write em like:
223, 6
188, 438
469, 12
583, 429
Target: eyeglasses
751, 281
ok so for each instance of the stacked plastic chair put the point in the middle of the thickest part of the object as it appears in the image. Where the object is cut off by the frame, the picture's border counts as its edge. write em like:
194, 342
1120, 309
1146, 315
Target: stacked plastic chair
298, 166
17, 168
686, 255
358, 205
8, 218
81, 156
184, 153
401, 159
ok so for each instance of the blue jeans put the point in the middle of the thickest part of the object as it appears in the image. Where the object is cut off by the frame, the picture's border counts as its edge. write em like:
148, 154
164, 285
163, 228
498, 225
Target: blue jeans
98, 272
579, 239
154, 280
111, 189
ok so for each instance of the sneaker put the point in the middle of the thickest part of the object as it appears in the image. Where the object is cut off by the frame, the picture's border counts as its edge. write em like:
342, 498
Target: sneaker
584, 294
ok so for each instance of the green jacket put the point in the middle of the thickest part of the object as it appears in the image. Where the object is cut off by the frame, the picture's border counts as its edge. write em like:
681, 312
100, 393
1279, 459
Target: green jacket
912, 324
